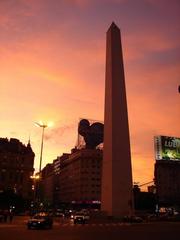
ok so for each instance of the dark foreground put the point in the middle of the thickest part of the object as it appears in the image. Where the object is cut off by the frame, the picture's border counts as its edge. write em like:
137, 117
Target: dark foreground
17, 230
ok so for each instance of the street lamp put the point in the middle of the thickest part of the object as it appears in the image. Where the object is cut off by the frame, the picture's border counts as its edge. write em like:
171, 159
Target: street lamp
43, 126
38, 183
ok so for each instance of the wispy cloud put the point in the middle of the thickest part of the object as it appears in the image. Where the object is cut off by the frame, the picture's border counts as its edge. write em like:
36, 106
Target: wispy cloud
60, 132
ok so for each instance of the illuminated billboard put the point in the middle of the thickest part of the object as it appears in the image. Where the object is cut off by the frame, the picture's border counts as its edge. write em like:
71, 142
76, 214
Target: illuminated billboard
167, 148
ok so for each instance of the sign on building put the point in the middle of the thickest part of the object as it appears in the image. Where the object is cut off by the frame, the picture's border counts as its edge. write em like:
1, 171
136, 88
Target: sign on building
167, 148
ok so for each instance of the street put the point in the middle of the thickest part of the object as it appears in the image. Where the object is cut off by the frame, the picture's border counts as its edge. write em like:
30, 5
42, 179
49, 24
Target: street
17, 230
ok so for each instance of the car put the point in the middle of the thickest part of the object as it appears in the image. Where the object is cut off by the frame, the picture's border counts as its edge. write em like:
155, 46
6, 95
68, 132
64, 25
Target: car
72, 216
59, 214
40, 221
80, 218
132, 219
1, 217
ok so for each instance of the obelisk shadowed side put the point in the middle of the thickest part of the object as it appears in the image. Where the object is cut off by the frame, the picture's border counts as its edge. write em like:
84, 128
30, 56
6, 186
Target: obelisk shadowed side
117, 197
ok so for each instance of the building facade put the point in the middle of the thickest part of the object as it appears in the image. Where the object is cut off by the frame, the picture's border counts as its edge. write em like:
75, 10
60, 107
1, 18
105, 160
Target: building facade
57, 184
47, 185
167, 181
16, 167
80, 176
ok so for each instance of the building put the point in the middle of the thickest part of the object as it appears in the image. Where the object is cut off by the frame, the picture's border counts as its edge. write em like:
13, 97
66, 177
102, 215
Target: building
16, 167
75, 178
57, 168
167, 169
57, 162
167, 181
47, 184
151, 189
143, 201
80, 177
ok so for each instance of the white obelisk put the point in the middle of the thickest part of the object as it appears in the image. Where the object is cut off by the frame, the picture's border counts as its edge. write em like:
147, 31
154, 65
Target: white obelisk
117, 197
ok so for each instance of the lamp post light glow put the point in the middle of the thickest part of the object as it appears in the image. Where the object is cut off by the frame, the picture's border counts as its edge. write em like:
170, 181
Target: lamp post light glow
35, 177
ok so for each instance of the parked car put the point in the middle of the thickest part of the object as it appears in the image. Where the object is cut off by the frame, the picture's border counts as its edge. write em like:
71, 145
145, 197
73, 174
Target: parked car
1, 217
132, 219
40, 221
80, 218
59, 214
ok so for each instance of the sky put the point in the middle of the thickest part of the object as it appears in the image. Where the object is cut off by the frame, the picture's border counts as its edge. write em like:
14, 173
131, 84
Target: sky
52, 68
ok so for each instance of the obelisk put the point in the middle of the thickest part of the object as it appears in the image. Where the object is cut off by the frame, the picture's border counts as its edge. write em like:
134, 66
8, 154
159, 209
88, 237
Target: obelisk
117, 197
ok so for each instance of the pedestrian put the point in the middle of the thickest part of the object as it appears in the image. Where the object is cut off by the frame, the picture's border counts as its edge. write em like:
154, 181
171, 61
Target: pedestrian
5, 214
10, 215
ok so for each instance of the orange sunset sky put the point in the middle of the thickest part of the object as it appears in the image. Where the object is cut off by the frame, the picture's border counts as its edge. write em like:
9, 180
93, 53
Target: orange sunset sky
52, 68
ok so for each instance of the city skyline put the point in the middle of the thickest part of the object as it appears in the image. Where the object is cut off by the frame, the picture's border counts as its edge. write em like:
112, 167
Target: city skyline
53, 69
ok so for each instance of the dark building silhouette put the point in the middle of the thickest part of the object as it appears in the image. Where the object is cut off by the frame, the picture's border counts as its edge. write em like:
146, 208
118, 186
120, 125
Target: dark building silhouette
57, 184
73, 179
80, 176
16, 167
47, 184
167, 181
143, 200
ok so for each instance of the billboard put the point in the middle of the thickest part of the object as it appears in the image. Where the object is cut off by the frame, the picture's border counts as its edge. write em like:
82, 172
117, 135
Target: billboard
167, 148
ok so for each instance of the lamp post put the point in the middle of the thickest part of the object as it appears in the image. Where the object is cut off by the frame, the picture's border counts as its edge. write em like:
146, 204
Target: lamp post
43, 126
39, 183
